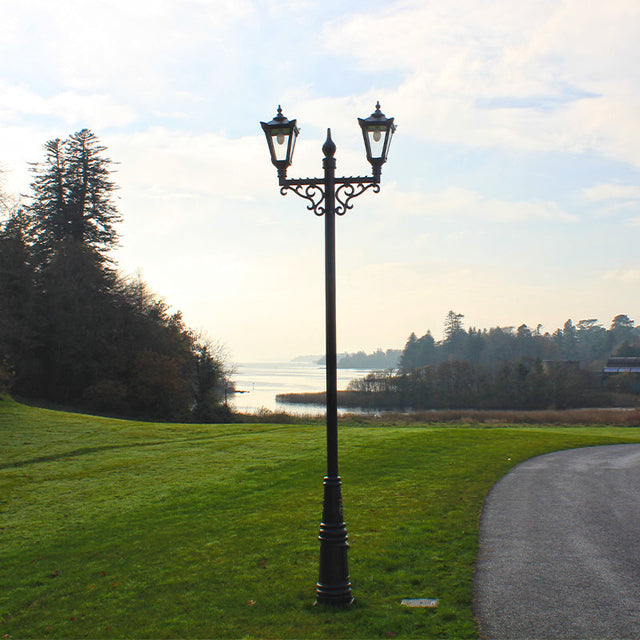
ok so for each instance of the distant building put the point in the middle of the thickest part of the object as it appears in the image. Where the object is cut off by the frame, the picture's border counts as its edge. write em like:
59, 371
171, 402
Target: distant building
622, 365
618, 370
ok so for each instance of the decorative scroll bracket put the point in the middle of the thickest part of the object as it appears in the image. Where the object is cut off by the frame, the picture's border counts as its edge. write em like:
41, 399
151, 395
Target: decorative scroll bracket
352, 188
314, 190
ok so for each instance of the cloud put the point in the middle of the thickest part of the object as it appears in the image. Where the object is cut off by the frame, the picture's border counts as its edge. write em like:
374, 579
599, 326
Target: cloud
165, 162
549, 76
612, 191
458, 202
70, 107
131, 47
611, 198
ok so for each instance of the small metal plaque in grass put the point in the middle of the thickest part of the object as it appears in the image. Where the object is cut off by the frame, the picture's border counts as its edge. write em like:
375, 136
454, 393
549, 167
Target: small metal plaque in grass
429, 603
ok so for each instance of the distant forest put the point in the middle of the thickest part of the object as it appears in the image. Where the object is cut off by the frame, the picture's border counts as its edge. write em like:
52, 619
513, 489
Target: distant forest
588, 343
506, 368
379, 359
76, 332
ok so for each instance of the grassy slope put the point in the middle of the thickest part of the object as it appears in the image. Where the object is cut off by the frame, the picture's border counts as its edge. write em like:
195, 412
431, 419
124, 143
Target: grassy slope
122, 529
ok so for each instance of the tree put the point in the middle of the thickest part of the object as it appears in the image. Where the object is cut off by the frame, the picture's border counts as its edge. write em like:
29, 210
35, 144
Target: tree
409, 357
71, 218
455, 337
500, 345
73, 196
76, 312
627, 350
17, 301
452, 325
593, 346
209, 380
159, 386
621, 328
569, 341
418, 352
426, 350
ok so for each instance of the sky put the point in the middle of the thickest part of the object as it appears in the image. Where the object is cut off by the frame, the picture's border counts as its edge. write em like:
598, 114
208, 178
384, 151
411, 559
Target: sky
511, 193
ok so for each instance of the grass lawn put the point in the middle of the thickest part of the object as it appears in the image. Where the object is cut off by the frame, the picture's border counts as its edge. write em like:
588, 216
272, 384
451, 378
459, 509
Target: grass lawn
118, 529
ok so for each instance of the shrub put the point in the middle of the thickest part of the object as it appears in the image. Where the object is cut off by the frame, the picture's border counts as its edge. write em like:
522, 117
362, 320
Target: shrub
4, 379
107, 395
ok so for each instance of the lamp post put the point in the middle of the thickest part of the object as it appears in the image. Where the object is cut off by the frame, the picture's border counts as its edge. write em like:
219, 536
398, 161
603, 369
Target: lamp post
331, 196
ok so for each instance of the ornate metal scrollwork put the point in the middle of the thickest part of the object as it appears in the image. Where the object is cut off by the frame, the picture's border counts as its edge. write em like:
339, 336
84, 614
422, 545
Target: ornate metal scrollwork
349, 190
314, 193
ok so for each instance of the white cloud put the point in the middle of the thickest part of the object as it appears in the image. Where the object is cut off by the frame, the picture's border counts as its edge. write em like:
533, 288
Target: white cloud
547, 76
458, 202
117, 43
607, 192
611, 198
72, 108
161, 161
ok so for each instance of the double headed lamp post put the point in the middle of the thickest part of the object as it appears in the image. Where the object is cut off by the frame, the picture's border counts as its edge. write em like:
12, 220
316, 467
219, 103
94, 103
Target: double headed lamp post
329, 196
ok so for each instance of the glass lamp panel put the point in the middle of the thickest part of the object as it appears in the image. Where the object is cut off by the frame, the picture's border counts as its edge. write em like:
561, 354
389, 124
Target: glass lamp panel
377, 135
280, 144
292, 144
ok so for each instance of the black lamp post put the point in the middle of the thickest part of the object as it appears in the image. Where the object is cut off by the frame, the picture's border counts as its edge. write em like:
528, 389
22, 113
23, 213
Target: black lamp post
329, 196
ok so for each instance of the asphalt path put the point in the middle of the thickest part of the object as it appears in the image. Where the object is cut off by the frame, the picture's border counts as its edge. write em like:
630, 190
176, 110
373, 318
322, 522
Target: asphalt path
559, 550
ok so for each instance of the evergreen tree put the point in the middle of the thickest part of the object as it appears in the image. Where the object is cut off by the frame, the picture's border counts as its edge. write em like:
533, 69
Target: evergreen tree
71, 229
453, 325
409, 357
17, 299
72, 201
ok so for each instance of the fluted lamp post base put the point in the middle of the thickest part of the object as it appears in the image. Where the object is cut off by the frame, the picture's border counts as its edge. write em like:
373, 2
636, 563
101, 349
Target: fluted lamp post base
334, 586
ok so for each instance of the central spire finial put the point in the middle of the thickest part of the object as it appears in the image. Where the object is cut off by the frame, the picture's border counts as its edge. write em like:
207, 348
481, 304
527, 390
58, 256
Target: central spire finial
329, 147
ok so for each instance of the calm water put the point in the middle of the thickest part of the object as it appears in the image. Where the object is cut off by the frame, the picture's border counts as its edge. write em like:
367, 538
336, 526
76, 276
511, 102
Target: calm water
263, 380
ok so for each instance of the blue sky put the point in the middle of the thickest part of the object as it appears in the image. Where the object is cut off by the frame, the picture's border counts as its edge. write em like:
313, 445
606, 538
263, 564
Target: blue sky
511, 195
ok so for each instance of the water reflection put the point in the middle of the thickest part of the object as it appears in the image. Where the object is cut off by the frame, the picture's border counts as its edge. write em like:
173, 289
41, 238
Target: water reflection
262, 381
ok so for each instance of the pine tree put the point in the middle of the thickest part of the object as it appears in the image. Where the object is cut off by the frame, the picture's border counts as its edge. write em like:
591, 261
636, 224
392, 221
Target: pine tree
71, 229
72, 201
452, 325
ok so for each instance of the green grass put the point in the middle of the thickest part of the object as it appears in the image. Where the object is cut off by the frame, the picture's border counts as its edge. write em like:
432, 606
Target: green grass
117, 529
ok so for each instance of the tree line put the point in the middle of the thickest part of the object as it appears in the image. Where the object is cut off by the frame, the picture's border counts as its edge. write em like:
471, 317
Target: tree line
73, 329
505, 368
588, 342
378, 359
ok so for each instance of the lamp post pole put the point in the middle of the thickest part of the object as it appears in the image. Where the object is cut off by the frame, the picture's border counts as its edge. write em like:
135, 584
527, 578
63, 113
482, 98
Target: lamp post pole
333, 586
329, 164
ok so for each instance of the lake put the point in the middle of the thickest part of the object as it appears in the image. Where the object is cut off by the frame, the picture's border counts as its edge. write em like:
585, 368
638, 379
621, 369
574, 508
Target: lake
261, 381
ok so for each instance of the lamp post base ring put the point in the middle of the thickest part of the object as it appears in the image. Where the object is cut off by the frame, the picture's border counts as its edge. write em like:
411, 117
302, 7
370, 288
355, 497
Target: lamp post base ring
335, 595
